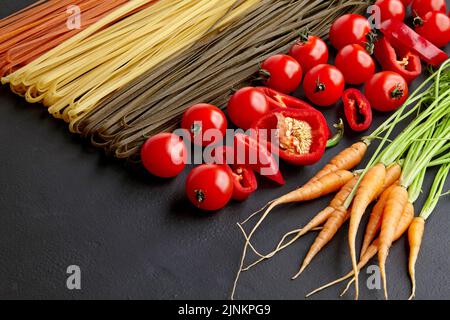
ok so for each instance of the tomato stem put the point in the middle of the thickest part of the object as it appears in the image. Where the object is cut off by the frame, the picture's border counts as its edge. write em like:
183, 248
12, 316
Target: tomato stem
418, 21
372, 37
320, 86
304, 36
398, 92
199, 196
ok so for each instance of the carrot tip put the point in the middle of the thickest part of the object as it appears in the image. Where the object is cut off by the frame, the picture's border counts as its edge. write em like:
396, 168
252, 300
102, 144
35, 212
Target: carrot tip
300, 272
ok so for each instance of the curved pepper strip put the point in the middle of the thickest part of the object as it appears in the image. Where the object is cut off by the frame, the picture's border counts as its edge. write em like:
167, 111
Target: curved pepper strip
244, 178
298, 144
256, 155
408, 66
279, 100
357, 110
402, 36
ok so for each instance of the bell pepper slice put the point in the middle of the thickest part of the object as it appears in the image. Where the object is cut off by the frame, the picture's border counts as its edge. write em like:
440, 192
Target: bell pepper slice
399, 60
244, 178
302, 136
402, 36
279, 100
357, 110
254, 154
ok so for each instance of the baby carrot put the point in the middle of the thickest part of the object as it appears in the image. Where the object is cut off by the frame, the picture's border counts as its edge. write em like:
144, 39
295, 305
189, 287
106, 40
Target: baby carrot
340, 215
415, 236
370, 186
317, 221
393, 173
331, 227
374, 224
395, 205
345, 160
327, 184
405, 221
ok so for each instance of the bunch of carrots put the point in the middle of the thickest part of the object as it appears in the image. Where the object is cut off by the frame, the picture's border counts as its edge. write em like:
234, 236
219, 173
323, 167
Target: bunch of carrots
392, 180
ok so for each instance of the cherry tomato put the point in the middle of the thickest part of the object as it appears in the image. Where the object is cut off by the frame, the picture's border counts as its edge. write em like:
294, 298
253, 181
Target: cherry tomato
422, 7
283, 73
164, 155
391, 9
246, 106
324, 85
209, 187
435, 27
310, 52
349, 29
386, 91
355, 63
200, 118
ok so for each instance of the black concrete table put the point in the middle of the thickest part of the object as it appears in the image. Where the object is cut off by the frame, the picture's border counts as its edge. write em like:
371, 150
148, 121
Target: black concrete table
64, 203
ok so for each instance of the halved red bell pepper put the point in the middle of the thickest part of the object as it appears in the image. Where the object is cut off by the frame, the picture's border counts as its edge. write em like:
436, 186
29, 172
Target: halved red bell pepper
302, 136
399, 60
255, 154
244, 179
402, 36
357, 110
279, 100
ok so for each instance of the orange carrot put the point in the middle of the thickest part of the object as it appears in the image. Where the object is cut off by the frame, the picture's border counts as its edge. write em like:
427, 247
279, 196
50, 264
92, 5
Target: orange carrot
317, 221
331, 227
345, 160
327, 184
405, 221
370, 186
415, 236
393, 173
374, 224
340, 216
395, 205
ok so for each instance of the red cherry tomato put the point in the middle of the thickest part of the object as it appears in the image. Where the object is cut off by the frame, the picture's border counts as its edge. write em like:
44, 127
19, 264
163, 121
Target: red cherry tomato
164, 155
310, 52
422, 7
355, 63
435, 27
200, 118
386, 91
391, 9
324, 85
209, 187
283, 73
349, 29
246, 106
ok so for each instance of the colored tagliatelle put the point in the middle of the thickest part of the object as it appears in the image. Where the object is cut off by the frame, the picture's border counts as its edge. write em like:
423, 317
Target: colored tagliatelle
73, 78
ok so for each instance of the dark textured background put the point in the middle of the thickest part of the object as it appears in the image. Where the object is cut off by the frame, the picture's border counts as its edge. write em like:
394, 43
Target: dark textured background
136, 237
